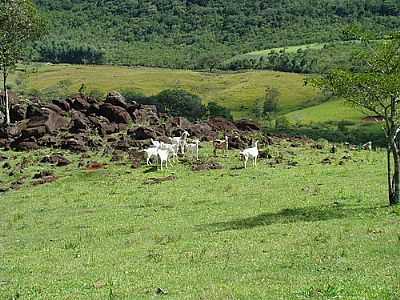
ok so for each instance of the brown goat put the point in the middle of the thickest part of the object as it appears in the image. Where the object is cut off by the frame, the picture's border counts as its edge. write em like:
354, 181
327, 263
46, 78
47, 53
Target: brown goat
221, 145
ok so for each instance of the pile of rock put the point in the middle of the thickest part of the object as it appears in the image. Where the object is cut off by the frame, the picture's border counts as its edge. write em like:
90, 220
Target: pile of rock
82, 123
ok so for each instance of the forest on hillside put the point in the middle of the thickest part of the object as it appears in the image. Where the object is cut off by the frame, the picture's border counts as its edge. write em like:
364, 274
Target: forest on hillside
197, 33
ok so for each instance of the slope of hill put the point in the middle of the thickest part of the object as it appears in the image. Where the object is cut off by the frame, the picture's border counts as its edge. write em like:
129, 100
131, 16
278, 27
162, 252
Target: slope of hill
176, 33
235, 90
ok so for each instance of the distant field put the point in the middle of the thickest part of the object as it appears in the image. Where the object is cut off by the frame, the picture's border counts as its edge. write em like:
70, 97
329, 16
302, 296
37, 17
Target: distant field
290, 49
335, 110
236, 90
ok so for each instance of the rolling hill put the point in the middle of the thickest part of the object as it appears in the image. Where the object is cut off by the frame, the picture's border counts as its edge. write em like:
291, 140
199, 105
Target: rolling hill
182, 34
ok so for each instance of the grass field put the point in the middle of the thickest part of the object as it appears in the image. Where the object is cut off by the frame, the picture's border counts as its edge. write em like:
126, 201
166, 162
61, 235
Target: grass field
286, 231
237, 91
266, 52
335, 110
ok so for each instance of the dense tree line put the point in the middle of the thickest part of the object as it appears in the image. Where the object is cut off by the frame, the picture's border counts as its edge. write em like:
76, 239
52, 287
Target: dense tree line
180, 33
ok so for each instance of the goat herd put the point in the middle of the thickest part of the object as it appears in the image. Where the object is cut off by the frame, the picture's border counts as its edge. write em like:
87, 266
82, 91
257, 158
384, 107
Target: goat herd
167, 152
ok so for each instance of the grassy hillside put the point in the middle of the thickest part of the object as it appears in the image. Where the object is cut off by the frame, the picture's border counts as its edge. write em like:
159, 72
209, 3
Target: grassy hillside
335, 110
281, 232
237, 91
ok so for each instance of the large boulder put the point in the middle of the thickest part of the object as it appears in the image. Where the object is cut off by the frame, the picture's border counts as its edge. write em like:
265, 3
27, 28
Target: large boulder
115, 114
247, 125
103, 125
221, 124
74, 145
203, 131
142, 133
79, 122
17, 113
44, 121
55, 108
116, 99
145, 116
80, 104
26, 144
63, 104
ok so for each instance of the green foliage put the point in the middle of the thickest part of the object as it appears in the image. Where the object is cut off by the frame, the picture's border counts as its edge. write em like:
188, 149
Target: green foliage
181, 34
180, 103
271, 102
216, 110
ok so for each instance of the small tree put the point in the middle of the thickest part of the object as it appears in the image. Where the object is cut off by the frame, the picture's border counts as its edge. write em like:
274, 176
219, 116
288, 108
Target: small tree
19, 23
179, 103
271, 103
375, 86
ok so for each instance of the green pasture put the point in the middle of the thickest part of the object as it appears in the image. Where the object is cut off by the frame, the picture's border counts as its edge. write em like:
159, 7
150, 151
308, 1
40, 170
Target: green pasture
305, 224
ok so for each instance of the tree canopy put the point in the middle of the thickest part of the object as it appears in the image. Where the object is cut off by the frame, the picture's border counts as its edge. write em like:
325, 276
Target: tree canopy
181, 33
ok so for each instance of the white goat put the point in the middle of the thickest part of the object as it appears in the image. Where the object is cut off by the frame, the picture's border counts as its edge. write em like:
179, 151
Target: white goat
164, 157
367, 146
194, 148
172, 148
150, 153
156, 144
250, 153
180, 141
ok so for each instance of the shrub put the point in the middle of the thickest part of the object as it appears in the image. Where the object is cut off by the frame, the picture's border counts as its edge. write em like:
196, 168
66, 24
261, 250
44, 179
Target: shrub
216, 110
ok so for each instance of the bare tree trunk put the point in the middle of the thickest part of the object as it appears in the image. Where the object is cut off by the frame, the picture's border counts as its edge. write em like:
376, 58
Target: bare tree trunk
389, 171
6, 100
395, 193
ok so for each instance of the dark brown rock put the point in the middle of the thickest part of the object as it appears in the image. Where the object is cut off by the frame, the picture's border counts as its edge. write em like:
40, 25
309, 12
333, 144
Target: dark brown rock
17, 113
75, 145
222, 124
116, 99
80, 104
247, 125
63, 104
114, 114
142, 133
57, 160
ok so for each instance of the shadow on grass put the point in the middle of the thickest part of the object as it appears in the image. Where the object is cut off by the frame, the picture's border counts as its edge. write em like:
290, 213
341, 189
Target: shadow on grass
294, 215
151, 170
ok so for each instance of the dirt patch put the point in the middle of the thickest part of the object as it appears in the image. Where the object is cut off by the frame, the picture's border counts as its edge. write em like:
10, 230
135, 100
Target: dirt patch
93, 166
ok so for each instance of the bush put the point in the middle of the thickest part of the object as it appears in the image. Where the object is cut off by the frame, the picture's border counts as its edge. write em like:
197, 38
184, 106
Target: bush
282, 123
180, 103
216, 110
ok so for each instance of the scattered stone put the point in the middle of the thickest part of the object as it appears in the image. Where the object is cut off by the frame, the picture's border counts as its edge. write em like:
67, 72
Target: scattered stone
326, 161
6, 165
206, 166
161, 291
3, 157
57, 160
74, 145
160, 179
43, 177
93, 166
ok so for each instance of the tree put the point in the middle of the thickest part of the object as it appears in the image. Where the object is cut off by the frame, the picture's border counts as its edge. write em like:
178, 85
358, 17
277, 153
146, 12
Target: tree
19, 23
180, 103
271, 103
375, 87
216, 110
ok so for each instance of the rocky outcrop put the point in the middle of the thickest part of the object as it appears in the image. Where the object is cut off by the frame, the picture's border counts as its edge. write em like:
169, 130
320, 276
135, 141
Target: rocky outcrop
114, 114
